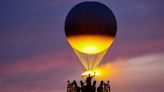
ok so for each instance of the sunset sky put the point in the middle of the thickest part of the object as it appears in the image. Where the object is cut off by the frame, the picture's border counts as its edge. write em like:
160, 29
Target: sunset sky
35, 56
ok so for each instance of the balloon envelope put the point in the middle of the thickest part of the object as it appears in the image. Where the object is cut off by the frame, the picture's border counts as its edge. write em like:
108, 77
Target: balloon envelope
90, 29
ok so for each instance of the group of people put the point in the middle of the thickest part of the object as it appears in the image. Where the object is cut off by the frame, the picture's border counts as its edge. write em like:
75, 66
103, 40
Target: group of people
87, 86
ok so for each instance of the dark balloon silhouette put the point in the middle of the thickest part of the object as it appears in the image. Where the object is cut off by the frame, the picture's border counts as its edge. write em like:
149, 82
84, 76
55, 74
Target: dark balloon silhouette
90, 29
89, 18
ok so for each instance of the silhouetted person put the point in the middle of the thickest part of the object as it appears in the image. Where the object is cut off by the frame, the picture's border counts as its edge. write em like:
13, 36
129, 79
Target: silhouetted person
88, 87
100, 88
69, 87
76, 87
94, 86
107, 87
89, 78
82, 86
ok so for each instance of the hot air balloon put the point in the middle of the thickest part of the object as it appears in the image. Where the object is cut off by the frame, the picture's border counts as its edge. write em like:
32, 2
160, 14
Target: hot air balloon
90, 29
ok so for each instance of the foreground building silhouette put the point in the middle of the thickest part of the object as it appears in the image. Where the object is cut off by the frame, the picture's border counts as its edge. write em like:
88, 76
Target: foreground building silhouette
88, 86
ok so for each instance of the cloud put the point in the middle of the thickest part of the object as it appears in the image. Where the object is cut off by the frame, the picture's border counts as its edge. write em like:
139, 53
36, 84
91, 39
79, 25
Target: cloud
45, 62
128, 49
43, 73
144, 74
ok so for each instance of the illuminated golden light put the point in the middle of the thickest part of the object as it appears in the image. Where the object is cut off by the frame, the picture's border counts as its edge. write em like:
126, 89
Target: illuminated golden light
90, 44
103, 72
91, 72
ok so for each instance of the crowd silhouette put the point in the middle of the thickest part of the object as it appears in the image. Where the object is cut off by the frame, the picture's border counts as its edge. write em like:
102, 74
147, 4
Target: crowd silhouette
87, 86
